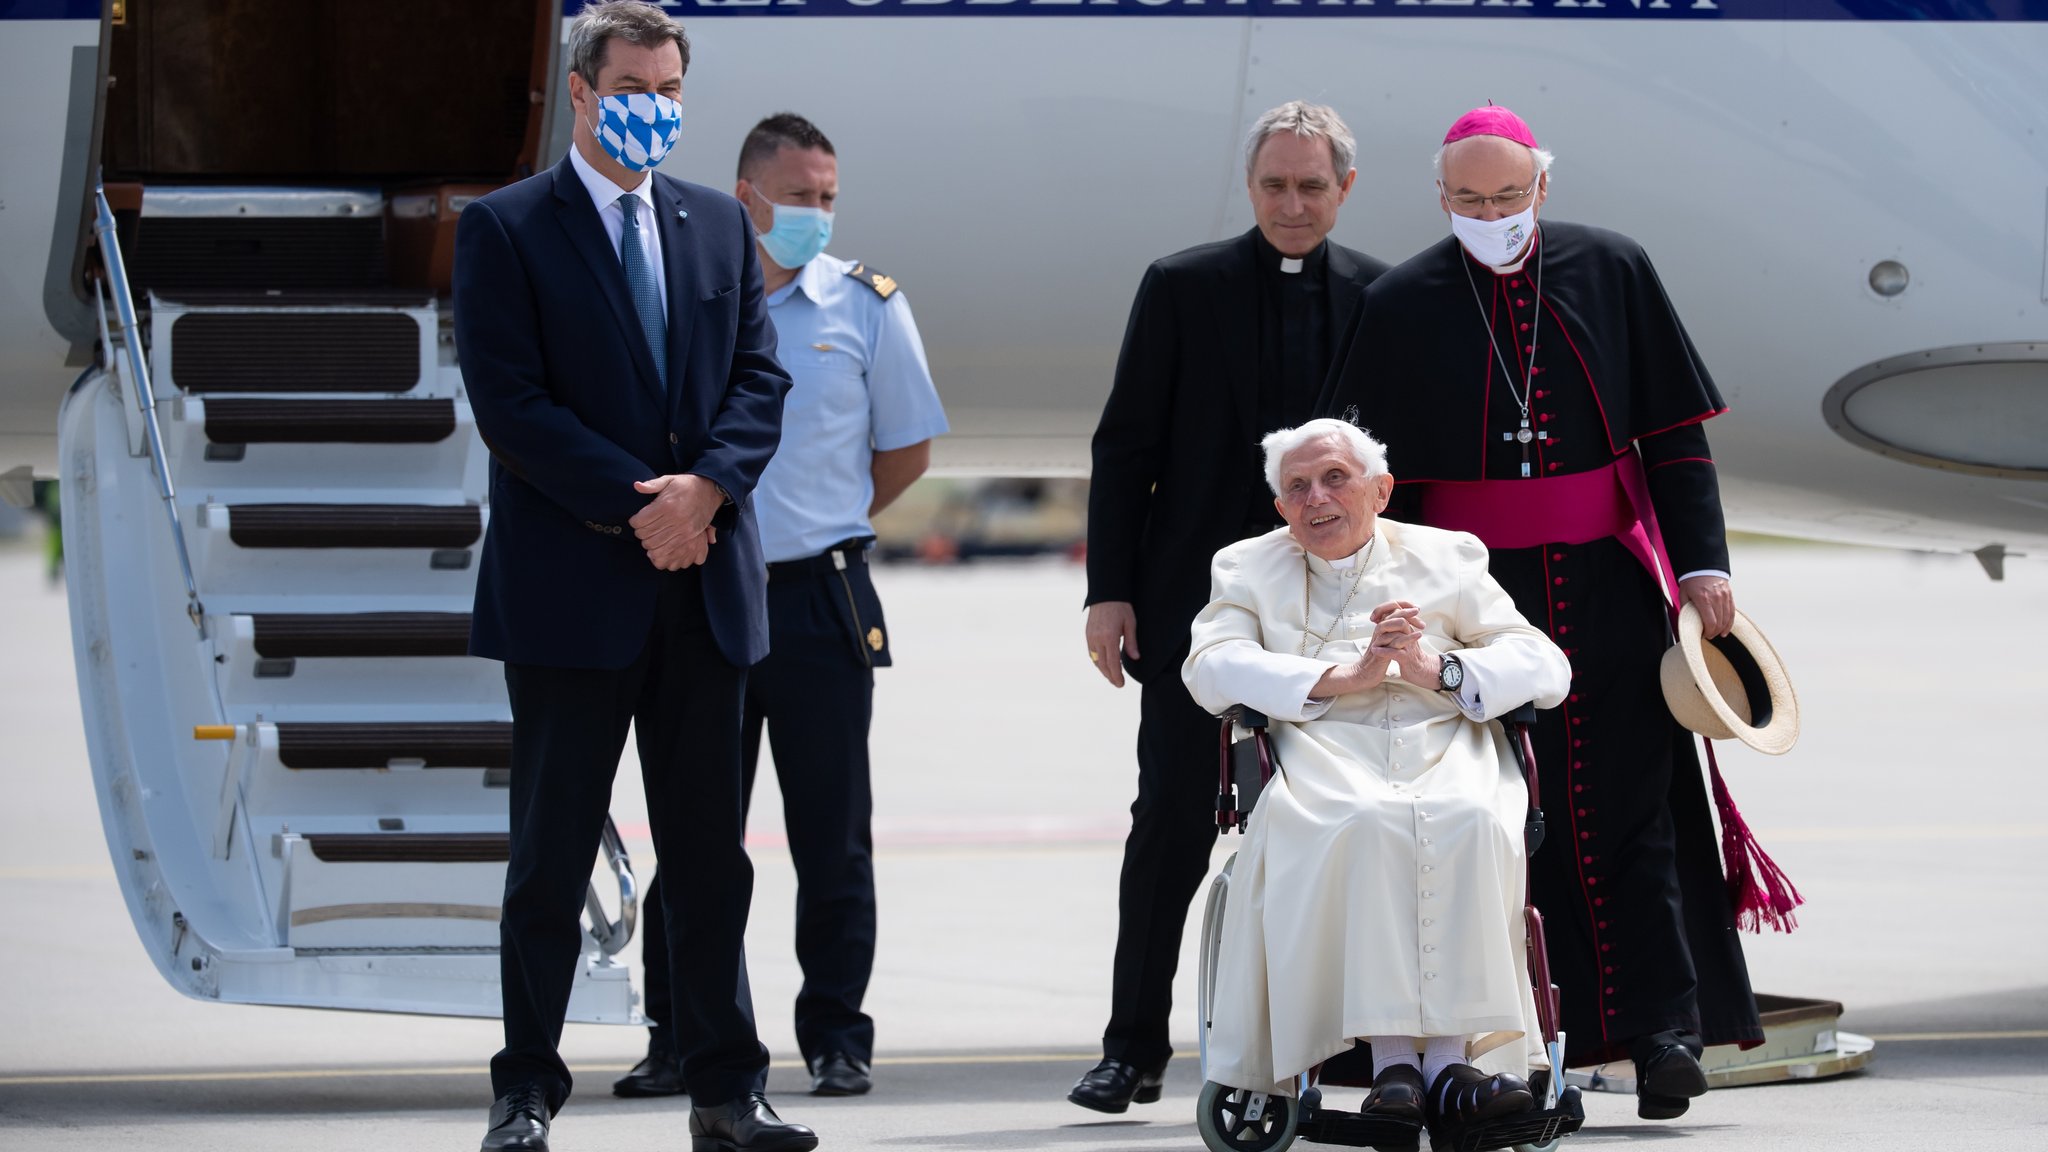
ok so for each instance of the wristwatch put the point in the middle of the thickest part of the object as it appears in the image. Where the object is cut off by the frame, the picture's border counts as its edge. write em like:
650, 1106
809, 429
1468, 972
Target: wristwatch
1451, 676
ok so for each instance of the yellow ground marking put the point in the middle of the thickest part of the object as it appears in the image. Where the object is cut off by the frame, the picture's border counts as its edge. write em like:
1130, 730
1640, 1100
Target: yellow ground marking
484, 1070
962, 1060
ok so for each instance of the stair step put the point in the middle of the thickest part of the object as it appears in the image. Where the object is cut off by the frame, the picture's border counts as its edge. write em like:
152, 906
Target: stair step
329, 421
411, 847
355, 525
278, 350
185, 254
282, 635
468, 744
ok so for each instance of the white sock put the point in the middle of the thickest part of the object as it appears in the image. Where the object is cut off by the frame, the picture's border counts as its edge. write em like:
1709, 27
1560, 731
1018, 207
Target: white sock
1388, 1051
1440, 1053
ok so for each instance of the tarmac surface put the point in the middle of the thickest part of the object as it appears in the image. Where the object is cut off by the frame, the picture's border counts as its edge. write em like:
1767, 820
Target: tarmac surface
1913, 816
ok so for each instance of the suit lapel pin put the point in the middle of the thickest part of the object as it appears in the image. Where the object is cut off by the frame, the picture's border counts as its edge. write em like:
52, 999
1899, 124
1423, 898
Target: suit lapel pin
682, 213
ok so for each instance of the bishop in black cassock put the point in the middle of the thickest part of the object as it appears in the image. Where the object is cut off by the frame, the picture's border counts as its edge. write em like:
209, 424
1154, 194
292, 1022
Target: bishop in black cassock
1543, 394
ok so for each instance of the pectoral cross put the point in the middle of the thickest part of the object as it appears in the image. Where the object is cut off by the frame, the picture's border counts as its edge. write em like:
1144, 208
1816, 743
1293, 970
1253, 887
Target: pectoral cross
1526, 436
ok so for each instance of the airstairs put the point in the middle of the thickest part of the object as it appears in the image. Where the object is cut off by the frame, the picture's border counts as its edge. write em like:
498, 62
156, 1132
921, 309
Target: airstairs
274, 499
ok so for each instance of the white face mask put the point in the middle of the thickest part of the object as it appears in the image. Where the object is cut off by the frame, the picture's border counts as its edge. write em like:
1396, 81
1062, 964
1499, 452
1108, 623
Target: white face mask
1496, 242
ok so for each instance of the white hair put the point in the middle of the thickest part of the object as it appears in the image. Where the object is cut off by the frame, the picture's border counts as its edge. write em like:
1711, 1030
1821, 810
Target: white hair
1370, 453
1310, 122
1542, 157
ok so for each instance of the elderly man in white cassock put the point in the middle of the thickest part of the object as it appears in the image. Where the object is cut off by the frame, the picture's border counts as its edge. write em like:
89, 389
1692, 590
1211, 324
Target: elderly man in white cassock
1379, 892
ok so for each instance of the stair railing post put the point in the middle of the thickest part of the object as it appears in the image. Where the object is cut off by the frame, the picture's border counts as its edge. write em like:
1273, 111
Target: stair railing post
145, 398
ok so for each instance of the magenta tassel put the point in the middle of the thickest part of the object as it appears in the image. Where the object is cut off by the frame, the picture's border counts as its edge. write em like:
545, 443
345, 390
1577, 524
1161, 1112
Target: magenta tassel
1759, 889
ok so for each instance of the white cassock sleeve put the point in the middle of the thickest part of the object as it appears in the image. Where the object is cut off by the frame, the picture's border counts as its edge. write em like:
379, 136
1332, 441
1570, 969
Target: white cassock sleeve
1228, 663
1508, 662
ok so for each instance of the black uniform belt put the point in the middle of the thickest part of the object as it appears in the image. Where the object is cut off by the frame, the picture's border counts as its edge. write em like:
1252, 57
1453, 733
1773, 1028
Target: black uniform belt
837, 558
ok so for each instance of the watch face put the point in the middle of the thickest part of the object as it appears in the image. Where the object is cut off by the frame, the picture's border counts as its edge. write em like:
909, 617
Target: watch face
1453, 674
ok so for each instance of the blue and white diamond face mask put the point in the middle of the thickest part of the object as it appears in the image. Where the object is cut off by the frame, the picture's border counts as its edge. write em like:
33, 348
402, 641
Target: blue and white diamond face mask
638, 128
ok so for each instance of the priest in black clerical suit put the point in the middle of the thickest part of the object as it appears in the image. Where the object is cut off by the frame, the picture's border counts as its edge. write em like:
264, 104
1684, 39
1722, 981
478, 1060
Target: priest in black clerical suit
1227, 342
1540, 392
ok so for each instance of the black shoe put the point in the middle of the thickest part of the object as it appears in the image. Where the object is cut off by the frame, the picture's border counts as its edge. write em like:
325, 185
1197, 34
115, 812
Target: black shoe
1111, 1086
1464, 1095
1668, 1074
747, 1124
838, 1074
519, 1121
1396, 1094
660, 1074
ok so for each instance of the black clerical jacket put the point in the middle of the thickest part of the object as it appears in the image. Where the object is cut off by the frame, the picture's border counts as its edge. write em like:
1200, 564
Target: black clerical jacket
1176, 452
1423, 378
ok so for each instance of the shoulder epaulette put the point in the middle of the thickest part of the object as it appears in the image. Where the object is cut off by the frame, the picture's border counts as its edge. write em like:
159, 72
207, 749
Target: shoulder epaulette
883, 284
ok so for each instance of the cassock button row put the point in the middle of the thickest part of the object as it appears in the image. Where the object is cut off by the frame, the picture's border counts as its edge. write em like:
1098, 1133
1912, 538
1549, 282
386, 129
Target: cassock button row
1427, 923
1429, 947
1428, 895
1432, 976
1429, 867
1426, 841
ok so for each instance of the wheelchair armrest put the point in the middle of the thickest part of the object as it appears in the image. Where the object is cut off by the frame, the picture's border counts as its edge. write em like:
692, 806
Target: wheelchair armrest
1251, 719
1525, 715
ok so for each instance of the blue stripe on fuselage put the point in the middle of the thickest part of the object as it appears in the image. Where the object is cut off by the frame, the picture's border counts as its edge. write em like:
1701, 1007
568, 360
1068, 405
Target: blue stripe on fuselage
63, 9
1894, 10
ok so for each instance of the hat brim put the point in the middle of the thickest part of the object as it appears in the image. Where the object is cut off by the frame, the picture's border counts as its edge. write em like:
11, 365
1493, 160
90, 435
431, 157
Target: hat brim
1731, 688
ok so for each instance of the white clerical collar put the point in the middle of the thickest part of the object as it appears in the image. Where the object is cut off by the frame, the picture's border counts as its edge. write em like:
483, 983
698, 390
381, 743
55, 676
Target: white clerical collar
1290, 264
1344, 563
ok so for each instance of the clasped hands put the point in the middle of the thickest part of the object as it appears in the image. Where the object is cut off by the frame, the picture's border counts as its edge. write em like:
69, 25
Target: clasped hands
1397, 643
675, 527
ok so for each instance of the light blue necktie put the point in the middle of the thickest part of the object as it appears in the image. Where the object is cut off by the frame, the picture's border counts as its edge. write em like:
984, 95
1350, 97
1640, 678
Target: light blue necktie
640, 282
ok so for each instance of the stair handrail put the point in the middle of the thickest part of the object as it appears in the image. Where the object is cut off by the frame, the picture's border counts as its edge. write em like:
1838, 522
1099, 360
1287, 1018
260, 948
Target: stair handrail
612, 936
145, 398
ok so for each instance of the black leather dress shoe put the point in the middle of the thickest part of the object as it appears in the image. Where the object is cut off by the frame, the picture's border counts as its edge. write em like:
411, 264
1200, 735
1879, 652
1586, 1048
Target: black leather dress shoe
660, 1074
1396, 1093
1111, 1086
1668, 1074
747, 1124
838, 1074
519, 1121
1463, 1094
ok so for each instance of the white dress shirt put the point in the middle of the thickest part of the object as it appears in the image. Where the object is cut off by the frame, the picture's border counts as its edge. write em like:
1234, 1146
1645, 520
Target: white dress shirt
606, 196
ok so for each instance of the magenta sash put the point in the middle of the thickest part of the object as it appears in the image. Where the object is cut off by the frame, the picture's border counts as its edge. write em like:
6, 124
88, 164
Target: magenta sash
1576, 509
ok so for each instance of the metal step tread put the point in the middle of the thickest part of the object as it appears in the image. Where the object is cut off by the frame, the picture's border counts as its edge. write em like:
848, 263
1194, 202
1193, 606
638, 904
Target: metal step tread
411, 847
329, 421
371, 634
281, 350
458, 744
355, 525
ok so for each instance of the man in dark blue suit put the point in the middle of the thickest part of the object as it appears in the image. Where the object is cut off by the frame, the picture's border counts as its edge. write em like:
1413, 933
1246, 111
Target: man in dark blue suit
621, 365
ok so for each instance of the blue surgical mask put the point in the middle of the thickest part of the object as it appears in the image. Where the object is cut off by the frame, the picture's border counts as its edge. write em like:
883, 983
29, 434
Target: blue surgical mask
799, 233
638, 128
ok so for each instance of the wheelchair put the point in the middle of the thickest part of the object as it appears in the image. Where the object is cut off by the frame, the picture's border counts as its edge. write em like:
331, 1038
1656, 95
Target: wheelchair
1238, 1120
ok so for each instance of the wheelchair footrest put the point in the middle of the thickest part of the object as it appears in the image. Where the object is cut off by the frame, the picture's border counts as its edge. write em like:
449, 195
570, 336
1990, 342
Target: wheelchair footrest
1358, 1130
1539, 1127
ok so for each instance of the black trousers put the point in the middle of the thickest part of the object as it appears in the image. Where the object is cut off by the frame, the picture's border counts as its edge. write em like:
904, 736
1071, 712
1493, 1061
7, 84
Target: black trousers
814, 694
568, 727
1166, 858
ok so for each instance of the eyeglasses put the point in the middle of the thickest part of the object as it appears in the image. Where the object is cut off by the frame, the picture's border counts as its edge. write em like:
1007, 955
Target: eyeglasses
1511, 202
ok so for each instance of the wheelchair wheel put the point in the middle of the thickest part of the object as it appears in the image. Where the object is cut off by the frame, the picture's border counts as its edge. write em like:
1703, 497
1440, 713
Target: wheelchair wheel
1235, 1120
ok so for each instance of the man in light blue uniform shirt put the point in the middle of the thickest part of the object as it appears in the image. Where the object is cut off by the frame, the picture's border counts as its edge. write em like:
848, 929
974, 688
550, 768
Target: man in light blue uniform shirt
856, 431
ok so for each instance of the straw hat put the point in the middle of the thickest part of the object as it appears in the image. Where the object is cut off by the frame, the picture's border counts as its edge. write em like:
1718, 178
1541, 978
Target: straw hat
1731, 688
